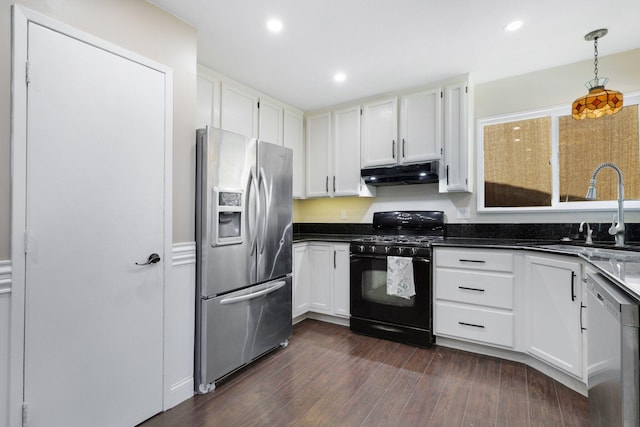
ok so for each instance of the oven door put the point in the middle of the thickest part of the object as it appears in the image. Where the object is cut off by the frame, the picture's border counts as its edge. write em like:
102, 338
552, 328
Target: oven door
369, 298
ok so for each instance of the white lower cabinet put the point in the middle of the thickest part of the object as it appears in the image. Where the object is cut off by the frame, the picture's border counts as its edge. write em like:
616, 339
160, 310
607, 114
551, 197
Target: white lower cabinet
518, 301
301, 280
554, 299
475, 323
474, 295
321, 278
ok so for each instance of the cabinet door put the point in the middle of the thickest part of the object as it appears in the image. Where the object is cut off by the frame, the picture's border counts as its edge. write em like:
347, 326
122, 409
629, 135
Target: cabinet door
321, 258
380, 133
301, 280
554, 296
420, 126
294, 139
239, 111
346, 152
341, 280
270, 122
455, 164
318, 142
208, 103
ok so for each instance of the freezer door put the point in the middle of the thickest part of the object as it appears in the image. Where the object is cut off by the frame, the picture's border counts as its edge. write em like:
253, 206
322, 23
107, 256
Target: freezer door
275, 170
226, 194
240, 326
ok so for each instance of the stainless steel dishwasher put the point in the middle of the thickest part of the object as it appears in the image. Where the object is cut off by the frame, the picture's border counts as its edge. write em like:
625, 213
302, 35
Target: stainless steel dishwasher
612, 355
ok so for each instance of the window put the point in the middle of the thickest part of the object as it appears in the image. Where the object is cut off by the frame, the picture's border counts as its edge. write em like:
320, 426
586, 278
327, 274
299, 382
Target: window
544, 159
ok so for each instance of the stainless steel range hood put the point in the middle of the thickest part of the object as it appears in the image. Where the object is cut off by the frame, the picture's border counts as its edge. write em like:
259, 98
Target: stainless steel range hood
423, 173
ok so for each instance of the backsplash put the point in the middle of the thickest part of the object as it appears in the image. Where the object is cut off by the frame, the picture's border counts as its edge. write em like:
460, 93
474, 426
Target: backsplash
547, 231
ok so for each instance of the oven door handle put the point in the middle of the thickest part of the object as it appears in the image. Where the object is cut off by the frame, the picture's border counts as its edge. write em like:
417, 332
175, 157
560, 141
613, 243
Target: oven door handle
360, 256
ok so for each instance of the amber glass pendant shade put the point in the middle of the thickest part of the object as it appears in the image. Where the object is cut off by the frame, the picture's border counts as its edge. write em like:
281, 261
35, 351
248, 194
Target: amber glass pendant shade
599, 101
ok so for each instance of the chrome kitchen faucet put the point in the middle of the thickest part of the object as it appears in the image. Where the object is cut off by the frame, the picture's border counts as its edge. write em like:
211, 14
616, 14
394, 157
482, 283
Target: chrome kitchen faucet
616, 230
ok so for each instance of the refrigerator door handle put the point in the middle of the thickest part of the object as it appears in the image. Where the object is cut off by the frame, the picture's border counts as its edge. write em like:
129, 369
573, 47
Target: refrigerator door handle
275, 287
267, 201
253, 234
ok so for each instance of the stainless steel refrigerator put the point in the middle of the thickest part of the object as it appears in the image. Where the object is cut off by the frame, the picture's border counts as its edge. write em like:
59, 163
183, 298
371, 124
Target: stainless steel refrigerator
243, 250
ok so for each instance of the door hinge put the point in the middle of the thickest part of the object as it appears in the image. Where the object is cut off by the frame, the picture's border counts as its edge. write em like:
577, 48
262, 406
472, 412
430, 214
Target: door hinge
24, 414
441, 94
27, 74
466, 89
258, 105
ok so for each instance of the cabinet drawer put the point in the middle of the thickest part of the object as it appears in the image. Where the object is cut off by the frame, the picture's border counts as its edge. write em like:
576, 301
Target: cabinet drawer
476, 324
474, 287
474, 259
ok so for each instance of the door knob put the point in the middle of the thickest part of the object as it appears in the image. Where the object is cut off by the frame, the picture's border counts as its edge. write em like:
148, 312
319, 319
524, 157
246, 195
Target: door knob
153, 258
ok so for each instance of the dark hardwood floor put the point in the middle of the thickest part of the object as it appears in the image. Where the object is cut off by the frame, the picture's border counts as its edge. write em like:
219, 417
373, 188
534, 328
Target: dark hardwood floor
328, 376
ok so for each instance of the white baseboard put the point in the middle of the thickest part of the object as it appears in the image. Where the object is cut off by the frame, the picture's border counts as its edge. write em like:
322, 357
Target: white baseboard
5, 277
180, 325
179, 392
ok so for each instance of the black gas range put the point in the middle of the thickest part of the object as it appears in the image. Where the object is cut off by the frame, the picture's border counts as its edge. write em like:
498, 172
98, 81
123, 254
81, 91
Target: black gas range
391, 276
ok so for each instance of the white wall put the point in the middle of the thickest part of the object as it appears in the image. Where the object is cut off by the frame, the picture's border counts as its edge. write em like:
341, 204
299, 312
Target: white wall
142, 28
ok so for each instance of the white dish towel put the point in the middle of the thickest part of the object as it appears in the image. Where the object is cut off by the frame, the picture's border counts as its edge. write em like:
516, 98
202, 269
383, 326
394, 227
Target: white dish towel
400, 277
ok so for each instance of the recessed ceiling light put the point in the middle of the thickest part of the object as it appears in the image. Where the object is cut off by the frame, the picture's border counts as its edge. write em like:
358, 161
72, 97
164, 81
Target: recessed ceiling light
513, 26
339, 77
274, 25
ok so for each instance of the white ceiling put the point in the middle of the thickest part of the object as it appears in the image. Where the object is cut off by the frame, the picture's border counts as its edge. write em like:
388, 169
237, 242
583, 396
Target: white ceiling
388, 45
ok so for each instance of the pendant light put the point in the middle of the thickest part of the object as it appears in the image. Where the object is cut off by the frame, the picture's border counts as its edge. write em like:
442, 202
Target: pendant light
599, 101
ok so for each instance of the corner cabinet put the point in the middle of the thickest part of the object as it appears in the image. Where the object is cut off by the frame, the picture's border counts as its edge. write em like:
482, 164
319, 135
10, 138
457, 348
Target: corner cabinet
554, 308
321, 279
454, 166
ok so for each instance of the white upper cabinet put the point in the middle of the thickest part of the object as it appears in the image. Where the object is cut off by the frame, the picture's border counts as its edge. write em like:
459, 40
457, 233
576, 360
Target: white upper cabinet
270, 121
454, 167
317, 149
420, 127
208, 102
346, 152
294, 139
333, 154
380, 133
239, 110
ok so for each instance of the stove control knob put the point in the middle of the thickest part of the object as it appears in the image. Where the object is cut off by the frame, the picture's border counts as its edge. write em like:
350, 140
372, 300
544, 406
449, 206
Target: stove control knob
387, 249
414, 251
400, 249
361, 248
372, 249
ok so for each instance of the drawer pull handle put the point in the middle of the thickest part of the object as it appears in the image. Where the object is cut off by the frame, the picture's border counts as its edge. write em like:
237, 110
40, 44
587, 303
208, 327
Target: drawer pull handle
470, 289
471, 324
479, 261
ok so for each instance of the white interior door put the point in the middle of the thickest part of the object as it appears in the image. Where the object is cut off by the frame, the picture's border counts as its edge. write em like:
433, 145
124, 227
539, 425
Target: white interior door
95, 206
